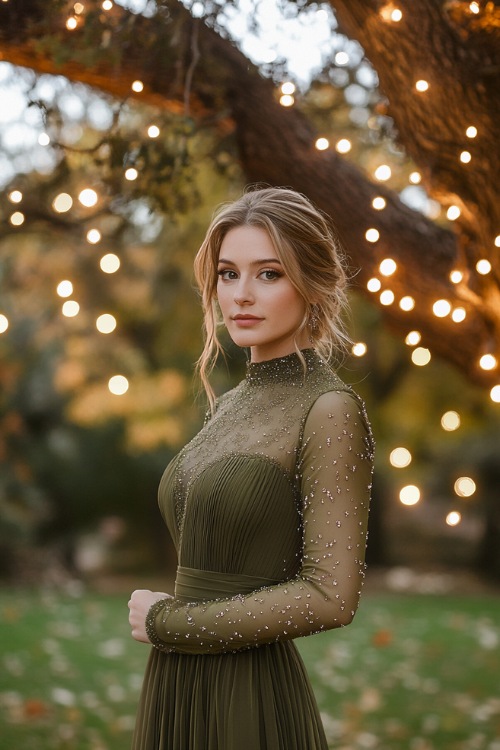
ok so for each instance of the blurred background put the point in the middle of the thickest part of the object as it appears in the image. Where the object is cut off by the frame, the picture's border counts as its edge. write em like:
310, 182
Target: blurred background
122, 126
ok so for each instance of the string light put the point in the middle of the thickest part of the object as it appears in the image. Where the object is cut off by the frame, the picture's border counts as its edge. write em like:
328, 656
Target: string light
483, 266
390, 13
387, 297
62, 203
456, 277
78, 8
471, 131
343, 146
400, 458
288, 87
488, 362
453, 213
15, 196
396, 15
415, 178
88, 197
407, 303
409, 495
413, 338
71, 23
464, 486
465, 157
110, 263
374, 285
107, 5
118, 385
137, 86
372, 234
420, 356
387, 267
379, 203
359, 349
131, 174
106, 323
43, 139
453, 518
497, 240
322, 144
286, 100
17, 219
383, 173
70, 308
93, 236
474, 7
341, 58
4, 323
450, 421
153, 131
458, 315
65, 288
495, 394
441, 308
422, 85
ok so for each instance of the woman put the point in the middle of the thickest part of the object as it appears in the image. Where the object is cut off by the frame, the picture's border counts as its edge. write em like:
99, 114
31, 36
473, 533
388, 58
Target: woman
268, 504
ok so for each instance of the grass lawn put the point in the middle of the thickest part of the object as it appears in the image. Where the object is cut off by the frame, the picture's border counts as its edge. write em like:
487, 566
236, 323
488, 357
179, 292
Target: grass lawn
412, 672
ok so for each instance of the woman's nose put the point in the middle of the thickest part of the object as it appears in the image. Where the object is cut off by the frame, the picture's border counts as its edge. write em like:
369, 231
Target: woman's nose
243, 293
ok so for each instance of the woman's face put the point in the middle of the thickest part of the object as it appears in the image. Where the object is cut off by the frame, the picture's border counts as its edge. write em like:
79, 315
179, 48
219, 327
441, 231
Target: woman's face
260, 306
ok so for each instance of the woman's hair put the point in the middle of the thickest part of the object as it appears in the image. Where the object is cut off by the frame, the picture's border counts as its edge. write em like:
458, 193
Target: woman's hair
309, 251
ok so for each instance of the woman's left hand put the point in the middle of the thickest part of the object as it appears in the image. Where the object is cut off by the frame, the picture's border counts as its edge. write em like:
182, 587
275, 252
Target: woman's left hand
139, 605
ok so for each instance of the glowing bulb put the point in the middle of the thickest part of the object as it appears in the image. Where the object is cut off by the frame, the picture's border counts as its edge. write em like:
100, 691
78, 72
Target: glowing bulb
453, 213
65, 288
43, 139
106, 323
78, 8
131, 174
456, 277
93, 236
383, 173
15, 196
118, 385
341, 58
420, 356
497, 240
110, 263
464, 486
107, 5
471, 131
322, 144
287, 100
422, 85
450, 421
488, 362
137, 86
407, 303
17, 219
4, 323
387, 297
288, 88
379, 203
458, 315
409, 495
495, 394
413, 338
70, 308
415, 178
372, 234
153, 131
474, 7
71, 23
359, 349
453, 518
88, 197
396, 15
373, 285
441, 308
387, 267
483, 266
62, 203
465, 157
343, 146
400, 457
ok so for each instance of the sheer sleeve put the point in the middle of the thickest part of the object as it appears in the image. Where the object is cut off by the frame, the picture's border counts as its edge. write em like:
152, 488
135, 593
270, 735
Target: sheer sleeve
334, 469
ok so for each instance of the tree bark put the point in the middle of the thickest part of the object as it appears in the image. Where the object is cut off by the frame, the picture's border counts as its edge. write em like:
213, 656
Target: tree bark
189, 68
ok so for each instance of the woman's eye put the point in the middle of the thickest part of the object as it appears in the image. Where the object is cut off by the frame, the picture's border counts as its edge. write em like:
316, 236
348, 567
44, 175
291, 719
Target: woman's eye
269, 274
226, 274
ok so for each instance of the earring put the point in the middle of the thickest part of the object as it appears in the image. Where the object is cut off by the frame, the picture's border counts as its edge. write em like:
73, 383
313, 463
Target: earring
314, 320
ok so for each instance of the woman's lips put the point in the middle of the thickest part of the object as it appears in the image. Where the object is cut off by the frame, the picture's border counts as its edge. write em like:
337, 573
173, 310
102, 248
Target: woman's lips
246, 321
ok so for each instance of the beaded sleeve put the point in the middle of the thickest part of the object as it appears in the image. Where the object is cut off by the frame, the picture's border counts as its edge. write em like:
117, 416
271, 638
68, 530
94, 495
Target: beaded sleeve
334, 467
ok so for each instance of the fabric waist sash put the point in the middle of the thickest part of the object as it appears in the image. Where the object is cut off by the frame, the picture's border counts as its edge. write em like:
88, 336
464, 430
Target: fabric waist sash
192, 585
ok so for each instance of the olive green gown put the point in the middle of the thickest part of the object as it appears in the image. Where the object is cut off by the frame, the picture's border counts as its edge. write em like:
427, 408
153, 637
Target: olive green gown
267, 507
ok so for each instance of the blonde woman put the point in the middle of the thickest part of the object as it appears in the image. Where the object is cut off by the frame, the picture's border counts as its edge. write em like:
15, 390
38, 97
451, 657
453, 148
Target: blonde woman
268, 504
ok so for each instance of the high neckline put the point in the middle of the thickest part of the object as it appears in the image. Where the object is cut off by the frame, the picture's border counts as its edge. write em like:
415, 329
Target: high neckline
288, 369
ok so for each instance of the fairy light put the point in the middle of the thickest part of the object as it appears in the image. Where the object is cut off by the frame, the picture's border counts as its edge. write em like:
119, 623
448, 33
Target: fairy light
131, 174
495, 394
70, 309
341, 58
153, 131
471, 131
287, 100
94, 236
465, 157
4, 323
88, 197
107, 5
413, 338
110, 263
400, 457
379, 203
383, 173
15, 196
17, 219
343, 146
118, 385
450, 421
415, 178
78, 8
409, 495
387, 297
396, 15
420, 356
106, 323
359, 349
422, 85
43, 139
456, 277
488, 362
441, 308
372, 234
387, 267
288, 87
453, 518
407, 303
497, 240
64, 288
137, 86
459, 314
483, 266
62, 203
464, 486
322, 144
373, 285
71, 23
474, 7
453, 213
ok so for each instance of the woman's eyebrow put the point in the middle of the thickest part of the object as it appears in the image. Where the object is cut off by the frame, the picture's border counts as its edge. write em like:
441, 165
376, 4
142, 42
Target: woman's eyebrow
253, 263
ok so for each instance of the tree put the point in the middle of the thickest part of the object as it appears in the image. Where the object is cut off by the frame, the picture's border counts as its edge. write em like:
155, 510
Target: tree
189, 66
